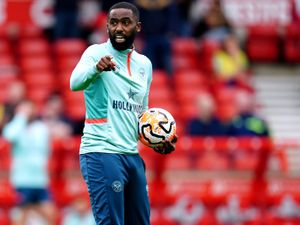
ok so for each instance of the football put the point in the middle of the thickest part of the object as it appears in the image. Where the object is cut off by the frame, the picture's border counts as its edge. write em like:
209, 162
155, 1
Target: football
156, 125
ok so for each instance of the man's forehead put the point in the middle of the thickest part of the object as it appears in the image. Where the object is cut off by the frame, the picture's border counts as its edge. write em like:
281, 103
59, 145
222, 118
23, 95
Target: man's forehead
121, 13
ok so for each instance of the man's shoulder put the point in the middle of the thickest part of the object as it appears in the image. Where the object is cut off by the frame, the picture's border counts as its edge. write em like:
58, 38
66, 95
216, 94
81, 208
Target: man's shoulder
95, 50
96, 47
142, 58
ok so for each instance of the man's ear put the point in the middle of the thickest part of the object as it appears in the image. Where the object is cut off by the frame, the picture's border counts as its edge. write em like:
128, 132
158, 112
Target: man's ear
138, 26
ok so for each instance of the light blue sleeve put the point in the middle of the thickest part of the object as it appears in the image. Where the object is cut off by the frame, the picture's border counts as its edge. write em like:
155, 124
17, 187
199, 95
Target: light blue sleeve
15, 128
85, 71
149, 80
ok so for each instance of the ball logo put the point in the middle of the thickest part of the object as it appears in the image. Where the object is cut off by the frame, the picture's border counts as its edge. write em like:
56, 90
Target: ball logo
117, 186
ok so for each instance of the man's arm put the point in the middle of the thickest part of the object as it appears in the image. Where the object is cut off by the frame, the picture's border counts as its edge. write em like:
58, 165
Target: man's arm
87, 70
17, 126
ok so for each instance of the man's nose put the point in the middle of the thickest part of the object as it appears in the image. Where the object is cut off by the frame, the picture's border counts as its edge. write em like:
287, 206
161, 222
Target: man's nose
119, 27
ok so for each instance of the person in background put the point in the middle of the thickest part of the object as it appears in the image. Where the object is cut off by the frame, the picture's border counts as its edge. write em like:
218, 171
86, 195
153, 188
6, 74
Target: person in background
116, 83
230, 63
88, 17
53, 115
207, 123
213, 25
78, 212
185, 28
295, 12
160, 21
248, 123
30, 143
66, 13
16, 93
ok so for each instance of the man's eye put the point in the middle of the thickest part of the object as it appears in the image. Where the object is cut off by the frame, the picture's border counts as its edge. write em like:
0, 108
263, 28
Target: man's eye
114, 23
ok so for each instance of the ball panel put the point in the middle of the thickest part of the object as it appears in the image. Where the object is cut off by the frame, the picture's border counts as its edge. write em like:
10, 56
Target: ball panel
155, 126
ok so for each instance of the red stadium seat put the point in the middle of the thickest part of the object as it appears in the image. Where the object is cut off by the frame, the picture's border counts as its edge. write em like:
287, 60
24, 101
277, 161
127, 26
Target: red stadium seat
64, 80
75, 112
190, 79
178, 161
184, 54
161, 94
188, 111
213, 161
278, 188
5, 81
263, 43
36, 64
185, 46
207, 49
5, 217
33, 47
5, 157
74, 105
8, 195
41, 79
8, 64
39, 95
69, 47
292, 44
70, 97
30, 31
246, 161
5, 47
67, 63
39, 86
160, 79
185, 185
221, 189
291, 51
183, 62
188, 94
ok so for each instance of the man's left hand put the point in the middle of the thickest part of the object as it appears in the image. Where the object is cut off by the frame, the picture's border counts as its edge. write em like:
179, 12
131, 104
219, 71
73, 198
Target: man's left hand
167, 146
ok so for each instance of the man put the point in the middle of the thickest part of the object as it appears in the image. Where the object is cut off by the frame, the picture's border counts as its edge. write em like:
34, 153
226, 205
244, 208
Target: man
116, 82
30, 139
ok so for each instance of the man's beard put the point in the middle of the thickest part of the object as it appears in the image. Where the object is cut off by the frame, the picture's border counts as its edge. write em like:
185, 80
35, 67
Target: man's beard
124, 45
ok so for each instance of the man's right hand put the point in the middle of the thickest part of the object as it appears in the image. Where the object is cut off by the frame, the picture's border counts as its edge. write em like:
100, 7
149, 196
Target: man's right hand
26, 108
106, 64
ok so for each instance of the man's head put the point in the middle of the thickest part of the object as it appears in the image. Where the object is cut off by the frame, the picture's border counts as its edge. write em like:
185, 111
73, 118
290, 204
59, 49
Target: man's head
123, 25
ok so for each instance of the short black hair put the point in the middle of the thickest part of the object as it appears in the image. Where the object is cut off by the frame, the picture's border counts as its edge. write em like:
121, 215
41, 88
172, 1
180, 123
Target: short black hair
126, 5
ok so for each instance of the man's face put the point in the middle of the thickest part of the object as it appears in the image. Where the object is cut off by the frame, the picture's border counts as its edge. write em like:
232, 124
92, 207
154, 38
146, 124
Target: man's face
122, 27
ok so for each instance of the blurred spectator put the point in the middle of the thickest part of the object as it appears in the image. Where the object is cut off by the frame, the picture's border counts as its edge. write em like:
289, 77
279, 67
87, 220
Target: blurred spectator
89, 10
230, 63
248, 123
159, 24
15, 94
53, 115
184, 25
78, 212
213, 25
30, 140
208, 124
99, 29
296, 12
66, 14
